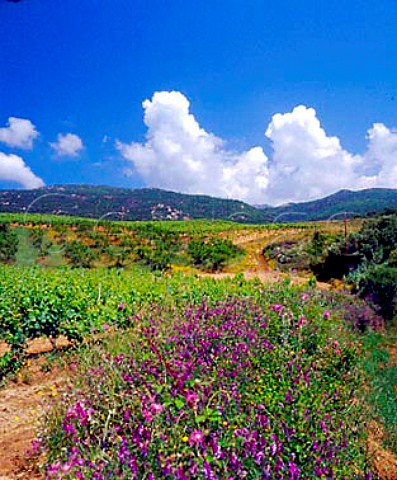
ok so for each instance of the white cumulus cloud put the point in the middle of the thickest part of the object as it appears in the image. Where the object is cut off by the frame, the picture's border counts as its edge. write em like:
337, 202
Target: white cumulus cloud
381, 156
306, 163
14, 169
67, 145
19, 133
180, 155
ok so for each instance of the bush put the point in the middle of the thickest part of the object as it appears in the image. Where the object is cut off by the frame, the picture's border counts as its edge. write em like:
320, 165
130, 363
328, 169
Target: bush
374, 244
80, 255
8, 244
288, 254
378, 284
156, 248
377, 239
212, 254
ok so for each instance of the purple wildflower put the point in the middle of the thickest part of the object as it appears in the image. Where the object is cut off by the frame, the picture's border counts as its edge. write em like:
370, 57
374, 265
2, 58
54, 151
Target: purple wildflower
196, 437
156, 408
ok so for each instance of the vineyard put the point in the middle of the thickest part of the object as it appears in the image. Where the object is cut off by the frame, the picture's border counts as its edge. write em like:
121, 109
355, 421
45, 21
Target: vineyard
198, 240
179, 375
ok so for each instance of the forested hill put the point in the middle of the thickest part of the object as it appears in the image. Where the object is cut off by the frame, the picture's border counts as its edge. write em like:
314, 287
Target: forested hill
127, 204
116, 203
345, 202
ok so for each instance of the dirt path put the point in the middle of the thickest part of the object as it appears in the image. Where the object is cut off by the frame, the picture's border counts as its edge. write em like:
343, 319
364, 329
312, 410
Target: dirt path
256, 265
21, 404
384, 461
260, 269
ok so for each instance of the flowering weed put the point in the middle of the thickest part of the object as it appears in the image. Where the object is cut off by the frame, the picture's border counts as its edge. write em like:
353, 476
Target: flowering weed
251, 388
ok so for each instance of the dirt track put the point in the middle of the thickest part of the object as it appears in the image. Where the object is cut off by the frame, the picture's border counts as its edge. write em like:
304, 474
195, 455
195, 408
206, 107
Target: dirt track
21, 405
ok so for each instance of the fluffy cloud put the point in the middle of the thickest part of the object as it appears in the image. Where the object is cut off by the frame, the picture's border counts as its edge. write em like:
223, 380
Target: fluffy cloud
180, 155
381, 156
68, 145
309, 164
19, 133
14, 169
306, 163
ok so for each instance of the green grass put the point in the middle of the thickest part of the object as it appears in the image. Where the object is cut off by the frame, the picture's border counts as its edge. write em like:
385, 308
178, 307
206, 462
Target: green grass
382, 377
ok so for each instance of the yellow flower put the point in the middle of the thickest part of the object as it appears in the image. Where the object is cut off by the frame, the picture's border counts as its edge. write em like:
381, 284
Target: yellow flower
185, 439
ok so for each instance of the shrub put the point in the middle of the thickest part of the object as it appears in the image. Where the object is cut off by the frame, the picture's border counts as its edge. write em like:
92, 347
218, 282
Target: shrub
212, 254
377, 239
375, 243
378, 285
79, 254
8, 244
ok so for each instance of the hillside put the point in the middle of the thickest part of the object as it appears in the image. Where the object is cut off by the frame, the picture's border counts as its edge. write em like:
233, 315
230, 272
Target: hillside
127, 204
359, 203
154, 204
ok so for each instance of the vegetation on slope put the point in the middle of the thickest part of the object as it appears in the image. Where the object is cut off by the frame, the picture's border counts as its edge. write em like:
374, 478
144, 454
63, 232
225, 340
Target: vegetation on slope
126, 204
343, 203
154, 204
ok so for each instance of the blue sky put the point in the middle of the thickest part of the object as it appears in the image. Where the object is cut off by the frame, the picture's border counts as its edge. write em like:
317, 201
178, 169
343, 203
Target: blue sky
318, 77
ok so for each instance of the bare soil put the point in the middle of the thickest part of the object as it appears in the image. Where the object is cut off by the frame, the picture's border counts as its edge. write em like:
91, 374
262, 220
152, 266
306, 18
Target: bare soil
384, 461
22, 403
38, 346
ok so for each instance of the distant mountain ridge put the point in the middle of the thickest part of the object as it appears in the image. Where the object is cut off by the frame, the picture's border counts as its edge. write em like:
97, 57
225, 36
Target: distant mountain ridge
337, 205
116, 203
